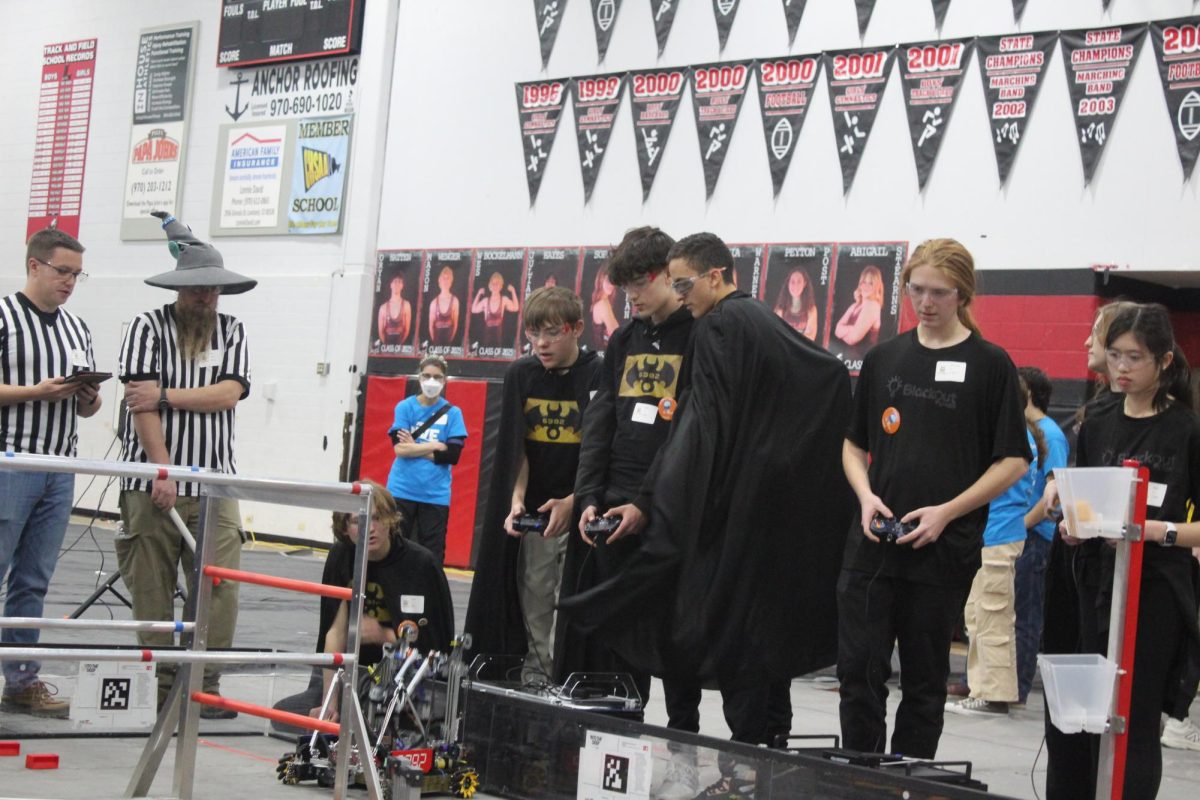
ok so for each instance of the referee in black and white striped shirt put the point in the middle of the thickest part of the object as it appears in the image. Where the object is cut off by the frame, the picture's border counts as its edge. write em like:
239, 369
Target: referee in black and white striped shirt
41, 344
185, 368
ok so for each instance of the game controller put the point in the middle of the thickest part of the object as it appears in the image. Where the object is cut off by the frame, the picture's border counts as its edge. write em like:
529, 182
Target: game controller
600, 527
531, 523
889, 530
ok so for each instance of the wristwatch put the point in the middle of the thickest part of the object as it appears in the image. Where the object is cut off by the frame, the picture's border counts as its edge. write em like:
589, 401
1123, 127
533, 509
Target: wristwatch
1169, 537
163, 402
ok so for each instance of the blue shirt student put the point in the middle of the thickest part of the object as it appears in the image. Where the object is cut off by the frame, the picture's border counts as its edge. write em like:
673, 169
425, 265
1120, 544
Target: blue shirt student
419, 479
1056, 458
1006, 514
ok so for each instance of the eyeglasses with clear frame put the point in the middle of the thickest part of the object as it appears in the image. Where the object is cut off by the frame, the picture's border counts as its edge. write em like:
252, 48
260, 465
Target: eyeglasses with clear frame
1133, 359
548, 335
937, 294
63, 273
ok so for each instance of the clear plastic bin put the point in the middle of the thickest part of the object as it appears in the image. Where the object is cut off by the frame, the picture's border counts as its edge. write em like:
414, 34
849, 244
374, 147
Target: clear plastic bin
1096, 501
1079, 690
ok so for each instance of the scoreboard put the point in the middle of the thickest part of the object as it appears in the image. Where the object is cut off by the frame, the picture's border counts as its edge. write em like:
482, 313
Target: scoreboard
265, 31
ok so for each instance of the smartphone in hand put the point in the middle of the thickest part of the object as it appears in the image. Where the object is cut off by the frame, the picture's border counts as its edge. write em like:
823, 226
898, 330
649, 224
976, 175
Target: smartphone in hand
88, 376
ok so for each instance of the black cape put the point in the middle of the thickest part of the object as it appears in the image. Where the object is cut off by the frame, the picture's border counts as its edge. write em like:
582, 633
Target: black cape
738, 567
494, 610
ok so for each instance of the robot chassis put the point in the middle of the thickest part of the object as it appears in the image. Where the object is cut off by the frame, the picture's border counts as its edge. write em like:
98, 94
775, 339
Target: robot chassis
415, 753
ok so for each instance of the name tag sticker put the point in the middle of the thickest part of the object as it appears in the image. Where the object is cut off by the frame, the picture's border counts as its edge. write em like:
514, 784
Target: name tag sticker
955, 371
412, 603
79, 359
645, 413
1155, 494
210, 359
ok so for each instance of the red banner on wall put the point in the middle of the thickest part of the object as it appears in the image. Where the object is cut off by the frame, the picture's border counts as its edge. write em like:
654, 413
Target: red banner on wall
60, 151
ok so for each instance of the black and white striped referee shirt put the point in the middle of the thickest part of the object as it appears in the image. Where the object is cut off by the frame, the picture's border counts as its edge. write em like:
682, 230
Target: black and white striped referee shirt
150, 352
34, 346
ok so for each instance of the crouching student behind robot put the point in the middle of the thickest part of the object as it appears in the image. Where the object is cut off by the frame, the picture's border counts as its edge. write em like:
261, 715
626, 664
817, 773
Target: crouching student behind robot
404, 582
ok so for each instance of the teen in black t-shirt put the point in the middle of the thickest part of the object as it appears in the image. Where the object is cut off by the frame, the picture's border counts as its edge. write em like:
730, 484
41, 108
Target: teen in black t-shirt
938, 412
1153, 425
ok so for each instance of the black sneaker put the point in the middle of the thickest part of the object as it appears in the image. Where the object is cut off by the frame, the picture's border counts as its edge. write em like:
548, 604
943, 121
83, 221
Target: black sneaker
216, 712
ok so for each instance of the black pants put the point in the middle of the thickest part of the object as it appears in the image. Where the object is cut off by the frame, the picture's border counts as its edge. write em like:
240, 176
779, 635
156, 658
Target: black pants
874, 613
756, 710
425, 524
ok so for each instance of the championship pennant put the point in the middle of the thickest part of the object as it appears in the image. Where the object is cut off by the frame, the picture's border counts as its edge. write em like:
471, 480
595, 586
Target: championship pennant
857, 79
1012, 68
785, 89
655, 96
595, 102
717, 94
540, 107
604, 16
931, 75
1177, 51
1098, 64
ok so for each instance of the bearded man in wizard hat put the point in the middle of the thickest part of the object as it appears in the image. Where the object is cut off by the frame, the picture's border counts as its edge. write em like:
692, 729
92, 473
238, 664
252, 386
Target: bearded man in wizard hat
185, 368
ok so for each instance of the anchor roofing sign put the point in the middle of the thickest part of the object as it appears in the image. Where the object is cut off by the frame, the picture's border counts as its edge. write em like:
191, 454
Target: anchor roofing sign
291, 90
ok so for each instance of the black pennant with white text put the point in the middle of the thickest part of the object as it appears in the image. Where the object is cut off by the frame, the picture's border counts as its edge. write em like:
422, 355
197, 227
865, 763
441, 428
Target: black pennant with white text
539, 106
1098, 62
1177, 51
856, 79
785, 90
596, 100
549, 19
655, 96
717, 94
1012, 68
725, 11
793, 10
931, 73
604, 16
663, 12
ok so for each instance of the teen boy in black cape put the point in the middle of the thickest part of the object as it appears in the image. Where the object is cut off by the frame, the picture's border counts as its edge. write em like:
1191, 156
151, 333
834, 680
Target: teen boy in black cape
511, 610
735, 579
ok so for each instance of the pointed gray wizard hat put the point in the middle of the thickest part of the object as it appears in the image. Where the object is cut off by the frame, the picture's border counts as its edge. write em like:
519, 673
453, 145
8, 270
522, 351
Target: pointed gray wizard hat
197, 263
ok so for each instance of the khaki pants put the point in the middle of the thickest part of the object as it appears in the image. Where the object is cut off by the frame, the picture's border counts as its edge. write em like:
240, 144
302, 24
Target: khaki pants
991, 621
539, 573
149, 553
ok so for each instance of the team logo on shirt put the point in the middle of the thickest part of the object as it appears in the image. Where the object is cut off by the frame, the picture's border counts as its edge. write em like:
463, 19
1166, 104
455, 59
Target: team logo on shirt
650, 375
891, 419
374, 604
553, 421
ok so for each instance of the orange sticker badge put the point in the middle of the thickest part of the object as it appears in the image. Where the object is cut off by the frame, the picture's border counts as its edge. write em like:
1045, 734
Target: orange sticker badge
891, 419
666, 408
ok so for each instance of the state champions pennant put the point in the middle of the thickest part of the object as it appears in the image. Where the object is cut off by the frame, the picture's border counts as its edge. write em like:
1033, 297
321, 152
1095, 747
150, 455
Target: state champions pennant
1012, 68
654, 95
856, 79
931, 74
1177, 52
1098, 63
539, 106
717, 94
785, 90
595, 102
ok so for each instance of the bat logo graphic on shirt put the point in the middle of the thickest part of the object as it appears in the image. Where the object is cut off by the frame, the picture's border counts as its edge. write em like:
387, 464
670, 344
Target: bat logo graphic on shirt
650, 375
374, 604
553, 421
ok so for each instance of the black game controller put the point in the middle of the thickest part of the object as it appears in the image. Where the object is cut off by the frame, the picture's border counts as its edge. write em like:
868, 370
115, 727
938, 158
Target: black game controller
600, 527
889, 530
531, 523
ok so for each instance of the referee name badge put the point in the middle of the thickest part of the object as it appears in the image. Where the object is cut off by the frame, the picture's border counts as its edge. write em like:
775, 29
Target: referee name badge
79, 359
412, 604
211, 358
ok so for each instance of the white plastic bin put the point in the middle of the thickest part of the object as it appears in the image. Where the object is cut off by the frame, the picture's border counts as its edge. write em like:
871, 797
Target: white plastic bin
1096, 501
1079, 690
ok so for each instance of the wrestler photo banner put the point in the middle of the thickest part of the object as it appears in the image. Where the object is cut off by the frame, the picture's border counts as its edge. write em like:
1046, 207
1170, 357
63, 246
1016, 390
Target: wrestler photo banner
664, 17
793, 10
1098, 63
655, 96
596, 100
444, 286
857, 79
796, 286
604, 15
1177, 52
550, 266
747, 267
865, 9
397, 300
725, 11
549, 19
1012, 68
717, 94
495, 303
931, 74
604, 306
785, 88
940, 7
866, 299
540, 108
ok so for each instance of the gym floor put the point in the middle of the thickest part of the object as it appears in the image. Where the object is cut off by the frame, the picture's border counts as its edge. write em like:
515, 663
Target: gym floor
237, 759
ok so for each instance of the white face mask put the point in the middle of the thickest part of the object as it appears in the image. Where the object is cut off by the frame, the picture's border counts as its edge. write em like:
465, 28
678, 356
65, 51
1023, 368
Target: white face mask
431, 388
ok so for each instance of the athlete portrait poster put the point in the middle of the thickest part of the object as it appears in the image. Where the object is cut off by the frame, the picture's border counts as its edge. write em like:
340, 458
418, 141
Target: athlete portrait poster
603, 304
866, 299
397, 303
444, 302
747, 267
796, 286
550, 266
495, 303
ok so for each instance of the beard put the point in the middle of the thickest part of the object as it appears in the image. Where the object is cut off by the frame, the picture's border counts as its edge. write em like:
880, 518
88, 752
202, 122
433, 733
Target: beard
195, 328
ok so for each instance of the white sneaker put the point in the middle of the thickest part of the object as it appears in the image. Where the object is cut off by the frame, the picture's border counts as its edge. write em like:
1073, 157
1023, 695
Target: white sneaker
680, 781
1181, 735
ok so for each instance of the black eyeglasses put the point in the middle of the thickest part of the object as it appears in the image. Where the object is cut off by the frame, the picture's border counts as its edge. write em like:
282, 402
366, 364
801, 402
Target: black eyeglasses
64, 273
